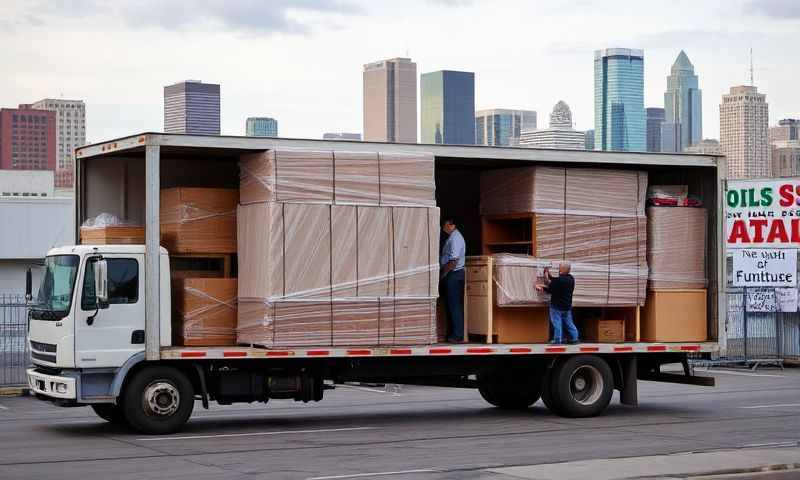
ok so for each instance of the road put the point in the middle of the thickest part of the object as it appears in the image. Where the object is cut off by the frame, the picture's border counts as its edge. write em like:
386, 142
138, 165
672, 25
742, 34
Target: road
414, 433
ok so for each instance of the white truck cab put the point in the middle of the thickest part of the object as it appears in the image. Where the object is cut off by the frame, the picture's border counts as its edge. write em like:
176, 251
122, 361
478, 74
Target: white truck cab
71, 330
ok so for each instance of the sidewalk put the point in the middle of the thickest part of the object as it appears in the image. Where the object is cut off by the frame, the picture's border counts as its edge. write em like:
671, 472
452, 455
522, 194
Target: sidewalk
681, 465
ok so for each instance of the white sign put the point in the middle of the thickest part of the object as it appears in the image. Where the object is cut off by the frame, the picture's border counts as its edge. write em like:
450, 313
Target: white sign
763, 213
764, 268
761, 299
786, 299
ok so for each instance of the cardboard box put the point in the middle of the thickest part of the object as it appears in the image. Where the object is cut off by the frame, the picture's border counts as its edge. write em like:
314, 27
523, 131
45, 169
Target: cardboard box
407, 179
205, 312
676, 239
603, 330
112, 235
521, 324
675, 316
198, 220
356, 321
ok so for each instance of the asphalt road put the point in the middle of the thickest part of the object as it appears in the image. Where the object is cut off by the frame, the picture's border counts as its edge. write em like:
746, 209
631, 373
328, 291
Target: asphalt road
414, 433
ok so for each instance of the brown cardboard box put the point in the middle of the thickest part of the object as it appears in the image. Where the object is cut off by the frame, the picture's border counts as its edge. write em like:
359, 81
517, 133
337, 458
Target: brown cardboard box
205, 311
412, 254
198, 220
675, 316
604, 330
356, 321
374, 251
407, 179
307, 247
414, 321
303, 323
356, 178
112, 235
261, 252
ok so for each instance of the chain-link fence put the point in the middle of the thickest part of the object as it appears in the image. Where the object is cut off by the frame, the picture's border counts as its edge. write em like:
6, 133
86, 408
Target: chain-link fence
758, 336
14, 355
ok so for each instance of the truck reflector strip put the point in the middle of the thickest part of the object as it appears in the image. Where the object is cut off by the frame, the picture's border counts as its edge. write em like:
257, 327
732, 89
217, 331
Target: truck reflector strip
400, 351
359, 352
590, 349
657, 348
193, 354
623, 349
690, 348
279, 353
234, 354
520, 350
318, 353
440, 351
480, 350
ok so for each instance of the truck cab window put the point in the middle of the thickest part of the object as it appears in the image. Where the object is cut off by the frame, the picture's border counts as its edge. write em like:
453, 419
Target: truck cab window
123, 282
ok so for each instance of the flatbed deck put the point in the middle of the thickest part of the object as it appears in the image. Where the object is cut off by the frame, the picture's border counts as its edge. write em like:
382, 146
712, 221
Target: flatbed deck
439, 349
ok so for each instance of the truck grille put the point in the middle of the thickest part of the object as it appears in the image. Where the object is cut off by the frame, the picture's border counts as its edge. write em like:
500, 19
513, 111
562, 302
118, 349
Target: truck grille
43, 357
46, 352
44, 347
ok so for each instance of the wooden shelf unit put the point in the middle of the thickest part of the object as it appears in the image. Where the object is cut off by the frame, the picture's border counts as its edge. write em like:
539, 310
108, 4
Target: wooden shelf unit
510, 233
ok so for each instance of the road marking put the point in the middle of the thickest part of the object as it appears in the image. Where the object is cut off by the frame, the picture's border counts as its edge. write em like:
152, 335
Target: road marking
374, 474
365, 389
743, 374
773, 444
777, 405
285, 432
3, 408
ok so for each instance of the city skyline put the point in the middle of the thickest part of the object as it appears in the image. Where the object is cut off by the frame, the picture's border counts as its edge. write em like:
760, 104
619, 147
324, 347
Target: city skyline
330, 41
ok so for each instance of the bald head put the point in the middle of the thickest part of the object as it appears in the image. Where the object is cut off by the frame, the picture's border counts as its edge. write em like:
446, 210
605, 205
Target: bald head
564, 268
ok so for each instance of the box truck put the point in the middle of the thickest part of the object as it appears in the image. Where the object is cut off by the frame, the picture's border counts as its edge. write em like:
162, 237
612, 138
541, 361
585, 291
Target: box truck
120, 355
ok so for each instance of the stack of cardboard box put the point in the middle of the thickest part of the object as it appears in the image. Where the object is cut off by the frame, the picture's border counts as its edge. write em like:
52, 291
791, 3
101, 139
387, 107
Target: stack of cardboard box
337, 248
593, 218
199, 225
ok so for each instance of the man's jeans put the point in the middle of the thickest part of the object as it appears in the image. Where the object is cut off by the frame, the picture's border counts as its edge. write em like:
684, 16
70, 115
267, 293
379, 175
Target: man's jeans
453, 284
559, 317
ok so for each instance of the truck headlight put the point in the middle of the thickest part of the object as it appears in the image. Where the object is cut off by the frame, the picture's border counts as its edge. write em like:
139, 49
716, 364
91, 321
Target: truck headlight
61, 387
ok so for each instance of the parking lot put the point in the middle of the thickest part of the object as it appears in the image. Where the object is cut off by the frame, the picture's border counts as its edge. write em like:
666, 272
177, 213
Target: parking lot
412, 432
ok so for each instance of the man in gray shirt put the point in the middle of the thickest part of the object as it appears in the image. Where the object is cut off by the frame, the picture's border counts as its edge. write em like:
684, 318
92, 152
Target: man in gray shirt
451, 263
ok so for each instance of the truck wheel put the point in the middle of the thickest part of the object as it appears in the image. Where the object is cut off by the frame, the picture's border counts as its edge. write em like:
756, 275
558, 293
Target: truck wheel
158, 400
510, 395
581, 386
547, 392
109, 412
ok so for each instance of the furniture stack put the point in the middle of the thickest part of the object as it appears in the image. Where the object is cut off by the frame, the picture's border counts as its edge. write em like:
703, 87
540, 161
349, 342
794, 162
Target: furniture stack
676, 293
198, 229
337, 248
593, 218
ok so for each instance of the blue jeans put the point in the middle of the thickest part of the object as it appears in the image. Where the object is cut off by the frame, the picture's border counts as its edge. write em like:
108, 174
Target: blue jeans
453, 284
559, 317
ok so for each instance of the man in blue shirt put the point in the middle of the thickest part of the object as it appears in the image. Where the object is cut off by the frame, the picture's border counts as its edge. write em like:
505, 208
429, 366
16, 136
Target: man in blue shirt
451, 263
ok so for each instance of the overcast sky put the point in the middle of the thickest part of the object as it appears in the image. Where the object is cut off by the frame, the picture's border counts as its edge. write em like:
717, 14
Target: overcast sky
301, 61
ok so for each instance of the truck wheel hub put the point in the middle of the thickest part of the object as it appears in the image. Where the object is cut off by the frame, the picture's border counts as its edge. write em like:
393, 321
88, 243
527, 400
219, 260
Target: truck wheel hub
161, 399
586, 385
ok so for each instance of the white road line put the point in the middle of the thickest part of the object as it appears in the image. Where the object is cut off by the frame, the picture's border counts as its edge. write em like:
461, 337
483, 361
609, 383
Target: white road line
365, 389
374, 474
3, 408
777, 405
773, 444
743, 374
253, 434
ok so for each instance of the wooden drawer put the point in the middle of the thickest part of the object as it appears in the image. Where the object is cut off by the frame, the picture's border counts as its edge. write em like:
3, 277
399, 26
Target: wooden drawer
477, 288
477, 273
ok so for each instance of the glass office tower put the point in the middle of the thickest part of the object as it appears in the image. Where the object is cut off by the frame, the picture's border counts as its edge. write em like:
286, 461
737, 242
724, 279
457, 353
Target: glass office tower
683, 123
448, 108
619, 117
261, 127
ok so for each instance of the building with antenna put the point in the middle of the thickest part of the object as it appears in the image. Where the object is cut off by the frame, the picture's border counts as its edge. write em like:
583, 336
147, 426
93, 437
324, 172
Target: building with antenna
743, 130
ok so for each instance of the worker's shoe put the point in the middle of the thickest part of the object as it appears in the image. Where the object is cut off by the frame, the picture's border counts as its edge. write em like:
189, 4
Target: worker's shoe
573, 342
554, 342
455, 340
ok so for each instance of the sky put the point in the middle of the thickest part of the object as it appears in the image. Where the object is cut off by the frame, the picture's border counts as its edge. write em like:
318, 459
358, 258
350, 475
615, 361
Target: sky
301, 61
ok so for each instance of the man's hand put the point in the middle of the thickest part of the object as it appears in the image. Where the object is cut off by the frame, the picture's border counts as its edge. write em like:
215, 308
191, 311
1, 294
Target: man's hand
539, 288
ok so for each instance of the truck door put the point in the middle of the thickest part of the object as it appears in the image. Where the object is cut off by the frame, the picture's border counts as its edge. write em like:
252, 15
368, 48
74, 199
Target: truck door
107, 336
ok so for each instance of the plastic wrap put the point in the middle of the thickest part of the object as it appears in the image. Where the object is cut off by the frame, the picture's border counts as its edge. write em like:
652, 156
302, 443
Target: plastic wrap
676, 238
667, 195
108, 229
515, 277
340, 177
570, 191
198, 220
294, 292
205, 311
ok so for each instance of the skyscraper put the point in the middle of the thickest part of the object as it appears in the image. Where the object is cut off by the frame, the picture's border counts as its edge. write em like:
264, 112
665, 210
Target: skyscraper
619, 121
743, 130
655, 119
27, 139
708, 146
502, 127
785, 158
588, 140
559, 135
390, 101
448, 107
787, 129
70, 134
683, 122
192, 107
261, 127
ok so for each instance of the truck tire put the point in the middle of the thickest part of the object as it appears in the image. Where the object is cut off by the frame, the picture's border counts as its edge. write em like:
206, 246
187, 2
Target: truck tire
109, 412
158, 400
547, 392
581, 386
510, 395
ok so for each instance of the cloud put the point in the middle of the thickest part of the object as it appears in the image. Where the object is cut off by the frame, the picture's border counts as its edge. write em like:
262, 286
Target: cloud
780, 9
452, 3
252, 16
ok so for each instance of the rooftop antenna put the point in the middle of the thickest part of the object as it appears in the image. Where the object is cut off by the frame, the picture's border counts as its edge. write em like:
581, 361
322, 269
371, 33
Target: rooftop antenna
751, 66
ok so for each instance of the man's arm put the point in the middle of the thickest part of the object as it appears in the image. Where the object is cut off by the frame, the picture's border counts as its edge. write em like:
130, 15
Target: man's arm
449, 266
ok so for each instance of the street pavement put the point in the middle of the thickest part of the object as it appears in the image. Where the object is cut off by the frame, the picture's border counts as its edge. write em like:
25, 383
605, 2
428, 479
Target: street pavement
750, 420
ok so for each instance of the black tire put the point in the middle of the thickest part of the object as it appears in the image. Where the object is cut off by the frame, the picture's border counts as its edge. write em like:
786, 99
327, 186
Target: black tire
517, 394
158, 400
547, 392
581, 386
109, 412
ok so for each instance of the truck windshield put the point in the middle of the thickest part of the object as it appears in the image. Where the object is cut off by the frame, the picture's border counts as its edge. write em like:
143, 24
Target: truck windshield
55, 293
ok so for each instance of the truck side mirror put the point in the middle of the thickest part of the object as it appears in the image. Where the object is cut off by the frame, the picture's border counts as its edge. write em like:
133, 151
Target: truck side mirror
28, 285
101, 281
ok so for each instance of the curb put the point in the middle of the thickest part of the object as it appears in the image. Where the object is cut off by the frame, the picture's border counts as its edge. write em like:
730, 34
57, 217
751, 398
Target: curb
14, 391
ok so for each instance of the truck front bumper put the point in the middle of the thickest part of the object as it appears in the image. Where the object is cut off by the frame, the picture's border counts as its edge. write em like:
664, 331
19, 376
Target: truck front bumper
52, 386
